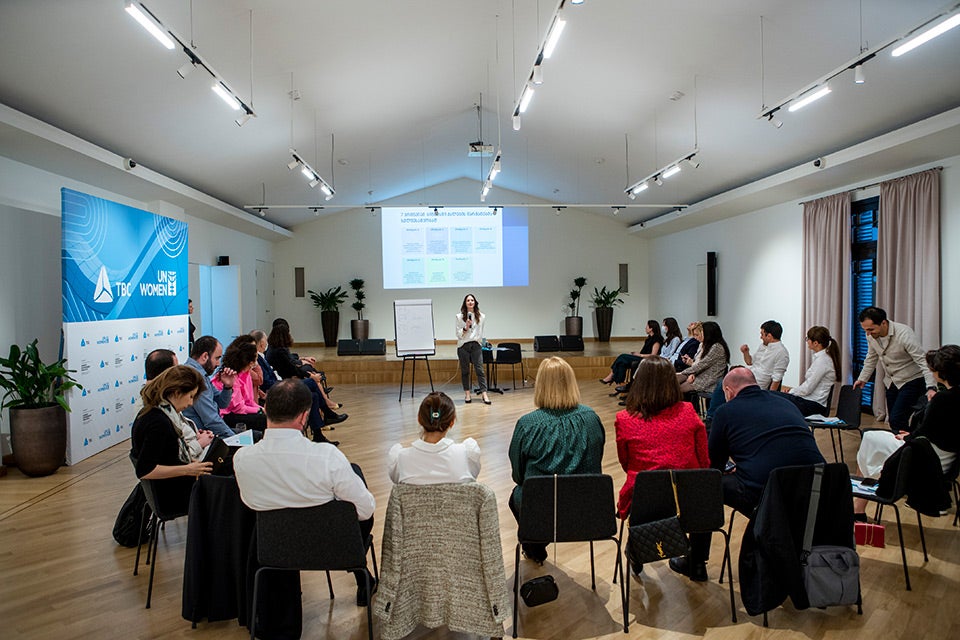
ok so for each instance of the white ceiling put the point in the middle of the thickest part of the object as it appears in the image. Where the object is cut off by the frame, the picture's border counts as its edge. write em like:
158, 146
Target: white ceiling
396, 84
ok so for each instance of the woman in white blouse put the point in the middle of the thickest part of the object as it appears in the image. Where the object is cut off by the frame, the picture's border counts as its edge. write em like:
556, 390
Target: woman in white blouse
470, 346
813, 396
435, 458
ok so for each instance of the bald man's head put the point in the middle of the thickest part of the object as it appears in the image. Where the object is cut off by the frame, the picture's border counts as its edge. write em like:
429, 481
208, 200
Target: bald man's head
736, 380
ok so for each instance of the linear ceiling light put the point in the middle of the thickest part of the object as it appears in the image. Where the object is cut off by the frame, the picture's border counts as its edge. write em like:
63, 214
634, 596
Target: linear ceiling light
171, 40
310, 174
926, 36
547, 47
807, 99
491, 176
910, 39
658, 176
150, 22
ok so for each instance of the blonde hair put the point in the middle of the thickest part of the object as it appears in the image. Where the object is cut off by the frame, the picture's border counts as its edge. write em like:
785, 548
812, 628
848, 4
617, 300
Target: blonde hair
556, 386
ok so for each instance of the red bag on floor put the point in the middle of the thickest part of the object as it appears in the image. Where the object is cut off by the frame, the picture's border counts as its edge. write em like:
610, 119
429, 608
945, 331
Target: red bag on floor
869, 534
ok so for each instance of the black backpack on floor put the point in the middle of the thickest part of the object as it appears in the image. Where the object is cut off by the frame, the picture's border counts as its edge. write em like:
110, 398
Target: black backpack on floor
126, 530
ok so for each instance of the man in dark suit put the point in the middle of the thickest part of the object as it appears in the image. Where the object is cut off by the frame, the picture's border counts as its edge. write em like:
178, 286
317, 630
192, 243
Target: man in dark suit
759, 432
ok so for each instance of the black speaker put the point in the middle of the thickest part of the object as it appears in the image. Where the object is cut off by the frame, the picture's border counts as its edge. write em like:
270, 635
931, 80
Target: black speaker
374, 347
546, 343
571, 343
223, 261
711, 283
348, 347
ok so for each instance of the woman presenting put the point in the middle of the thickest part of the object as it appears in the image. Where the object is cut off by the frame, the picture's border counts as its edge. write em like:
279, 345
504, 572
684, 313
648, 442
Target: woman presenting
469, 346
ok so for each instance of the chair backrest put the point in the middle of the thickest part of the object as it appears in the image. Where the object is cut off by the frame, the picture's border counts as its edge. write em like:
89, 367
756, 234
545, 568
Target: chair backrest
584, 504
512, 356
848, 405
325, 537
699, 493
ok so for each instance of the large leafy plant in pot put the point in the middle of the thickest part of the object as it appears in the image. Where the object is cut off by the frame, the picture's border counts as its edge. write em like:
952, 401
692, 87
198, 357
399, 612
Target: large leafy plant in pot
604, 301
329, 302
35, 394
573, 323
359, 328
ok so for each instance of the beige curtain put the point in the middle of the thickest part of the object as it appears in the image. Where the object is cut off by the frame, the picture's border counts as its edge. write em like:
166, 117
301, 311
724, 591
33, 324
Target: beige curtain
826, 275
908, 258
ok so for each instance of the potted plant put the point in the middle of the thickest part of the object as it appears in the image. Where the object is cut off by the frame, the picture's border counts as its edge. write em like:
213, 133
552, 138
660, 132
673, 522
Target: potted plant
34, 393
573, 323
359, 328
329, 302
603, 302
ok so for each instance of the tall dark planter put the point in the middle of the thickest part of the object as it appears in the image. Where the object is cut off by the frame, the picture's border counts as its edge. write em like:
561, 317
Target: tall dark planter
604, 323
330, 320
39, 439
573, 325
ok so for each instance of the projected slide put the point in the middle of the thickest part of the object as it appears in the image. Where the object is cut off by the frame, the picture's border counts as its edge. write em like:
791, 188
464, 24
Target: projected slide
426, 248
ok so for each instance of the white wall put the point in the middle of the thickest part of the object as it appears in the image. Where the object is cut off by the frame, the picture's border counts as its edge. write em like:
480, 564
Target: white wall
30, 256
337, 248
759, 269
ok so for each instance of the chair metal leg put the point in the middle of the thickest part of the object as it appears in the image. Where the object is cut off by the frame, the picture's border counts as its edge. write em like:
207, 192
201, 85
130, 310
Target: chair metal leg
726, 551
903, 553
729, 565
373, 556
616, 566
923, 541
956, 503
765, 624
626, 599
143, 515
516, 587
153, 567
593, 573
330, 585
366, 580
834, 445
623, 592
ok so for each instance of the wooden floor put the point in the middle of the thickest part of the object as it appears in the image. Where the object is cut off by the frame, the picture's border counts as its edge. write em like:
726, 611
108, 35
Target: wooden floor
62, 576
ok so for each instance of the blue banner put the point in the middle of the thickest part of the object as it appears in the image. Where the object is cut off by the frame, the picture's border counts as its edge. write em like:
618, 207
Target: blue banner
119, 262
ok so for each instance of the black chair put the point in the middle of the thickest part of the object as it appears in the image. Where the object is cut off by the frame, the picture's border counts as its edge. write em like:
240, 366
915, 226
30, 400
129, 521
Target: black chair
899, 491
848, 412
322, 538
700, 495
512, 357
573, 508
158, 517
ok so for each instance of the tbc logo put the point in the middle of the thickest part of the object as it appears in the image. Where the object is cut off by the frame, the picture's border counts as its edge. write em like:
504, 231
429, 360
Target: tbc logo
102, 294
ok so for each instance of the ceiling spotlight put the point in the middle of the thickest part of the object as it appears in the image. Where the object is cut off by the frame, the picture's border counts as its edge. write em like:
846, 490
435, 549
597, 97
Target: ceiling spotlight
314, 183
671, 171
435, 212
616, 211
516, 122
693, 162
858, 76
537, 74
242, 120
631, 195
576, 1
658, 180
775, 121
186, 69
293, 164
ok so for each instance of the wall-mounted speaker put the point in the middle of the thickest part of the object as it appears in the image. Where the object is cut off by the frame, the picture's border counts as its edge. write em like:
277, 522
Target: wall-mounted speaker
299, 288
711, 283
624, 283
223, 261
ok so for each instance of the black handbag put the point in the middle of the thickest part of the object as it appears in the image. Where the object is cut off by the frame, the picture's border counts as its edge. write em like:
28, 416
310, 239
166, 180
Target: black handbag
539, 591
660, 539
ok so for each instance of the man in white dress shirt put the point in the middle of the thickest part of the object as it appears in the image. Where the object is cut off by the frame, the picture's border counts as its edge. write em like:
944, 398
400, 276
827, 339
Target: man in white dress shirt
770, 361
285, 469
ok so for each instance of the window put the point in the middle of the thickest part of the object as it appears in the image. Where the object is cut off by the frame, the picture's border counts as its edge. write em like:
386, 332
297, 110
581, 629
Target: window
863, 281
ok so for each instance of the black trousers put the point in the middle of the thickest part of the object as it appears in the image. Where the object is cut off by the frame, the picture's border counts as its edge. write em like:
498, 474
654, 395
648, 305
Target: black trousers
900, 401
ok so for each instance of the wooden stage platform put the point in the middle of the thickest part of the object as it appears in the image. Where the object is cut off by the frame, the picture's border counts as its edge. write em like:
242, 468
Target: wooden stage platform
593, 362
